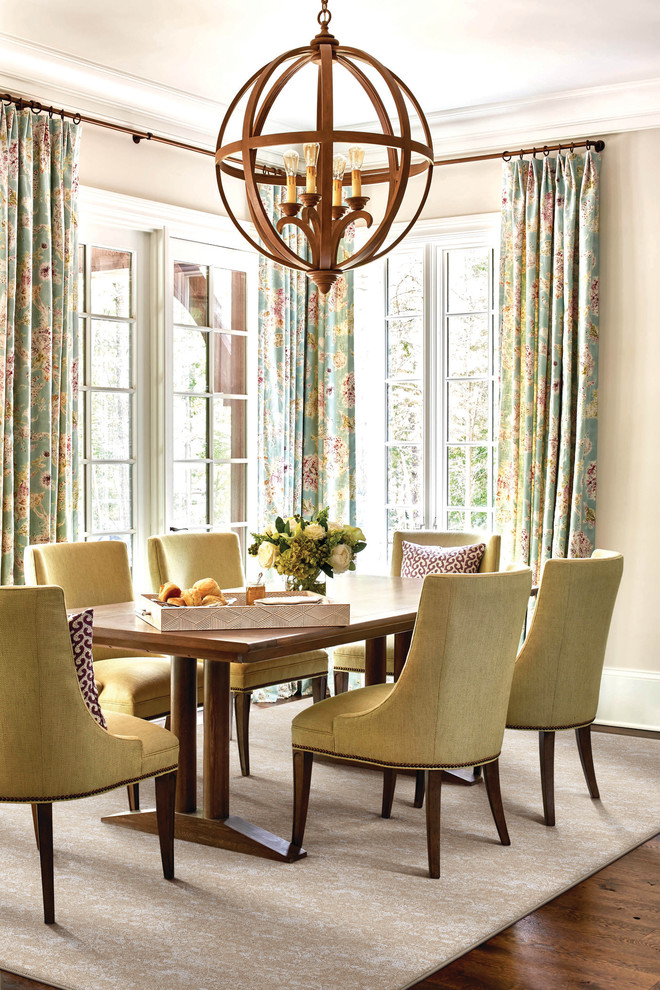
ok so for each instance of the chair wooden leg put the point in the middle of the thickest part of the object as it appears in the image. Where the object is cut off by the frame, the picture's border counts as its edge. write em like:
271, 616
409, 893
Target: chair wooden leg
547, 758
302, 778
44, 813
242, 702
165, 796
319, 688
433, 789
389, 783
583, 736
418, 801
133, 797
35, 823
492, 778
341, 681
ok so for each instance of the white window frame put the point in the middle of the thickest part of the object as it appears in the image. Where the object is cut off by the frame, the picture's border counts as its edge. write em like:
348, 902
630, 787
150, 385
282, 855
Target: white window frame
113, 219
434, 237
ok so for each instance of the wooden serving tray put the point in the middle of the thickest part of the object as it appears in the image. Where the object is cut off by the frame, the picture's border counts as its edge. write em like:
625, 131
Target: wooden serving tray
242, 616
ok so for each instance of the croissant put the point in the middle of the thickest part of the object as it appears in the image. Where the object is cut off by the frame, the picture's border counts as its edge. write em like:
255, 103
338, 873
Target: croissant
168, 591
214, 600
207, 586
176, 601
192, 596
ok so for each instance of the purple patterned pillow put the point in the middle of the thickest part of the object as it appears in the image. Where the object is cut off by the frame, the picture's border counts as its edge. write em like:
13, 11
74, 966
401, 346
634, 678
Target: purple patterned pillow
419, 560
80, 631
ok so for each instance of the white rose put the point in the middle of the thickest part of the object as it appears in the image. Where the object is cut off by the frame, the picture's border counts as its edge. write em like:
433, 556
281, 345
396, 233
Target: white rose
335, 527
270, 530
315, 531
267, 554
340, 558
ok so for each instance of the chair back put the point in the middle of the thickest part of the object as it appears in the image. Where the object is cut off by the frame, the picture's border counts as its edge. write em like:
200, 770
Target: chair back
556, 681
184, 558
90, 574
50, 744
430, 537
449, 706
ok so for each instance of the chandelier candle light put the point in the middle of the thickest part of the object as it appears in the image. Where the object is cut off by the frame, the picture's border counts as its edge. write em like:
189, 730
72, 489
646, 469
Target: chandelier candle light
321, 211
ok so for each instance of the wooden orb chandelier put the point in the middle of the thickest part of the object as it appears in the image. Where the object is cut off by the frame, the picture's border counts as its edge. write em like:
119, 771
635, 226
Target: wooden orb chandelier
315, 200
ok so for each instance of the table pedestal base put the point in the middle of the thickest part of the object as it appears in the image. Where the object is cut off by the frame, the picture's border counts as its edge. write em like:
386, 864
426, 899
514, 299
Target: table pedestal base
232, 833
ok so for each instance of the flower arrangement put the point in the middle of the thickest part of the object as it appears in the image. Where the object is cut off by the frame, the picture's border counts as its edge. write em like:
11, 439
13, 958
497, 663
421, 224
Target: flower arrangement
303, 549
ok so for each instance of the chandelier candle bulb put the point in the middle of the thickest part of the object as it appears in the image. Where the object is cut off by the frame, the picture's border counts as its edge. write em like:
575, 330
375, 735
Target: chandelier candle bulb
356, 159
311, 157
338, 168
291, 159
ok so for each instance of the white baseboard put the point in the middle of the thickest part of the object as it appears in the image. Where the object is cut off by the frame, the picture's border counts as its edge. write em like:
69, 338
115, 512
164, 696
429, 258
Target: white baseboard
630, 698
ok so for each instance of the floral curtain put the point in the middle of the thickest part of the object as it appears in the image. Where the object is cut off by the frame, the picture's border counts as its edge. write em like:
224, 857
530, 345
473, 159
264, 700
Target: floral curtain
38, 340
306, 392
546, 486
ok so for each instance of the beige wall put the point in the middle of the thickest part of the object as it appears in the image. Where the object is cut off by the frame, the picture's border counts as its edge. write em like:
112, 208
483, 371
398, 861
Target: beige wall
628, 461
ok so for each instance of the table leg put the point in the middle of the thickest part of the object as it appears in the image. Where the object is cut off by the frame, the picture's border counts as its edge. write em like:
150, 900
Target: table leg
184, 726
217, 714
375, 661
401, 646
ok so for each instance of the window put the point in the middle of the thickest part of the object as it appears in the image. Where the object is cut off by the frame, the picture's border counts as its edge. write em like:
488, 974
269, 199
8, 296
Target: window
430, 465
109, 329
209, 400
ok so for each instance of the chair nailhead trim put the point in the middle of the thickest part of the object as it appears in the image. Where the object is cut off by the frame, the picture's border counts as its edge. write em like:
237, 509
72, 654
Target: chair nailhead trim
403, 766
551, 728
102, 790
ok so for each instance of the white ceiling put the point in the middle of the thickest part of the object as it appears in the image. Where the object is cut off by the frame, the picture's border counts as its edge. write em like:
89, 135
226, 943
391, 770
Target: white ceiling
456, 55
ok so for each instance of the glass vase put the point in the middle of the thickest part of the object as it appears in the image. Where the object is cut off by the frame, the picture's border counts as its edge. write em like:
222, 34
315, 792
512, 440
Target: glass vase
312, 582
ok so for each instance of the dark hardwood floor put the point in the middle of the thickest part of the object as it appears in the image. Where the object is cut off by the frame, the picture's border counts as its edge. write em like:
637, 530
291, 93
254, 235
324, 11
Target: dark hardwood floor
603, 934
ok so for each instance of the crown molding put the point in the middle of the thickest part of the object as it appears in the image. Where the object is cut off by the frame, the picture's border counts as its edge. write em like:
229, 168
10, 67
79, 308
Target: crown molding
48, 75
118, 210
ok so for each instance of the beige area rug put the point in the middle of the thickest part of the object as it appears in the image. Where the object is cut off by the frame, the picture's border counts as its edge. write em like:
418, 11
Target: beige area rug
360, 912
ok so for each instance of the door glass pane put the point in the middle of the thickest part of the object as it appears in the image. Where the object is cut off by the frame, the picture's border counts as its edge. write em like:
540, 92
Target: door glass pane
467, 280
229, 491
404, 284
456, 475
229, 358
228, 299
405, 348
467, 411
111, 281
467, 471
190, 427
456, 521
111, 497
405, 411
111, 365
190, 294
479, 520
81, 279
467, 346
111, 426
404, 475
403, 519
189, 490
189, 360
229, 438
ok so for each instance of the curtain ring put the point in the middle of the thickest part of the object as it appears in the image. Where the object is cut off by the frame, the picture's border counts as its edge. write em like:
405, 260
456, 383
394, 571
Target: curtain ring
588, 144
35, 106
572, 147
546, 151
7, 100
19, 104
506, 156
76, 118
50, 113
521, 154
534, 153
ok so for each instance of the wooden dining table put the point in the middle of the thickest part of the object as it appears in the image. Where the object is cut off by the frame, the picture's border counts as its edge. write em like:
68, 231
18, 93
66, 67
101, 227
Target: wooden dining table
380, 606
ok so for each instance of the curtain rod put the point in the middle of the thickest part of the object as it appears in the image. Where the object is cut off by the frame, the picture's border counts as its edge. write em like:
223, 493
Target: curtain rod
21, 103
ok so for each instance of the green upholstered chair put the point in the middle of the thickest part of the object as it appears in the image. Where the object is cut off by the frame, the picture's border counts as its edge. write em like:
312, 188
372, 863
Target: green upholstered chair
130, 682
184, 558
51, 747
350, 659
557, 676
447, 709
